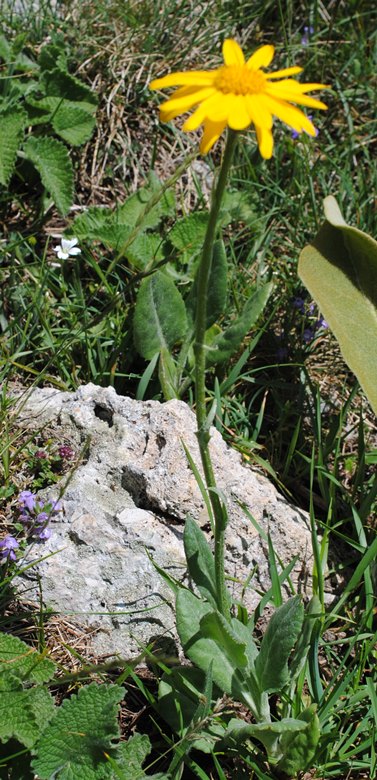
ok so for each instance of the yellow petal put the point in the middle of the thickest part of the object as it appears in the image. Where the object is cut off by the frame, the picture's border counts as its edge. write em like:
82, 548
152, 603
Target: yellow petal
239, 117
181, 104
212, 131
291, 115
232, 53
258, 112
265, 142
278, 74
191, 77
201, 113
261, 58
290, 85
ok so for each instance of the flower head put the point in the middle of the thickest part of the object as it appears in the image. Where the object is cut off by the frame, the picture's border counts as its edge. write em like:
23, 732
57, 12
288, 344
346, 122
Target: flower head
308, 31
8, 545
67, 248
239, 94
27, 500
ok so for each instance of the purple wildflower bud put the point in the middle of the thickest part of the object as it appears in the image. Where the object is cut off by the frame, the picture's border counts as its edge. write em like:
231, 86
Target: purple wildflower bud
66, 452
27, 500
294, 134
311, 308
308, 31
41, 455
282, 353
299, 304
7, 547
43, 534
56, 506
308, 335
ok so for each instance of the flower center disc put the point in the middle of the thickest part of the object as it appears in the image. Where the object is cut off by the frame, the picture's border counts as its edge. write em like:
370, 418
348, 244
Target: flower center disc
239, 80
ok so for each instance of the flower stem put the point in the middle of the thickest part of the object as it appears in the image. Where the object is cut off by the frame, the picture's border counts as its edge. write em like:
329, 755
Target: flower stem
204, 270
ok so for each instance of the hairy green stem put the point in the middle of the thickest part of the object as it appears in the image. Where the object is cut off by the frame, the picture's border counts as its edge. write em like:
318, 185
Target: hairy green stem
204, 271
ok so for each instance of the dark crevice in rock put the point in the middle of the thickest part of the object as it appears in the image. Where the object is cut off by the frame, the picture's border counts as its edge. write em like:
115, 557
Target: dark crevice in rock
105, 414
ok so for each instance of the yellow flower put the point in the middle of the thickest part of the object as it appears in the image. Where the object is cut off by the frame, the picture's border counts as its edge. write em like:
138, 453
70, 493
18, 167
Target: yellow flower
237, 95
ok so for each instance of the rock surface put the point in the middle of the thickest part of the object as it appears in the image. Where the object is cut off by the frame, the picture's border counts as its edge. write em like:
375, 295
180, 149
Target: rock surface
127, 500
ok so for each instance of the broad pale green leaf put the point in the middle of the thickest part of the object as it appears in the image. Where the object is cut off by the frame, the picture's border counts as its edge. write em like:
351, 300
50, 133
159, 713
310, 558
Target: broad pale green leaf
148, 205
51, 105
74, 125
74, 744
12, 125
217, 287
160, 315
230, 340
339, 268
283, 630
54, 166
299, 748
23, 660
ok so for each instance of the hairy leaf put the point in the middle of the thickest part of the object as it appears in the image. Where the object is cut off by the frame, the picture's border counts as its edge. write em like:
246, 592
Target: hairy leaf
187, 235
299, 748
282, 632
23, 660
339, 268
12, 124
223, 347
160, 315
74, 744
217, 287
59, 83
54, 166
24, 713
74, 125
200, 561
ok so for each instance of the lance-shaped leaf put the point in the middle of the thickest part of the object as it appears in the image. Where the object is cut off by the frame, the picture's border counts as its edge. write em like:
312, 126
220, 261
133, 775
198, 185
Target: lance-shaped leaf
282, 632
339, 268
217, 287
223, 347
200, 561
160, 315
299, 748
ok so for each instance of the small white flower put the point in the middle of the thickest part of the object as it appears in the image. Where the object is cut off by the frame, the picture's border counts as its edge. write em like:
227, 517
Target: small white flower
67, 248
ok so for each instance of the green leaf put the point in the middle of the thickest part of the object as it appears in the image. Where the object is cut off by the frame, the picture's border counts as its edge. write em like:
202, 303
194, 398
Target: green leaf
74, 744
52, 56
59, 83
5, 49
217, 287
299, 748
12, 124
148, 204
144, 251
160, 315
188, 233
101, 224
24, 713
54, 166
219, 643
200, 561
74, 125
266, 732
339, 268
131, 755
230, 340
23, 660
167, 375
283, 630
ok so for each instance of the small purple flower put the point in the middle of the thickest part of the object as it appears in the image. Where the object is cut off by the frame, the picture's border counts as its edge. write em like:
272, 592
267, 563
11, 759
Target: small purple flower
27, 500
41, 518
308, 31
41, 455
56, 506
308, 335
66, 452
42, 533
8, 545
321, 323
